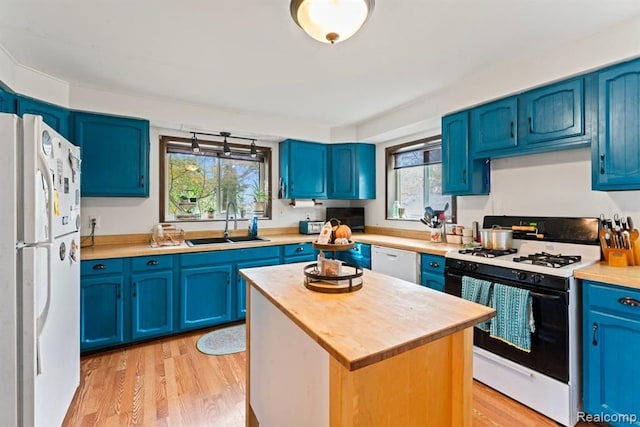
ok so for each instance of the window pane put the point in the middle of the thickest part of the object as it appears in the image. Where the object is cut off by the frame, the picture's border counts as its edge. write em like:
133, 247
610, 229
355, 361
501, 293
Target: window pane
200, 186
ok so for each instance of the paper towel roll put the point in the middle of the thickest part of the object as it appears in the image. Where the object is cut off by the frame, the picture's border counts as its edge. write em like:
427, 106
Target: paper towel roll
303, 204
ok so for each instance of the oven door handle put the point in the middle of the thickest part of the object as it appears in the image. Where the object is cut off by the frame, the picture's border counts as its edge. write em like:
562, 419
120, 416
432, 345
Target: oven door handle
544, 296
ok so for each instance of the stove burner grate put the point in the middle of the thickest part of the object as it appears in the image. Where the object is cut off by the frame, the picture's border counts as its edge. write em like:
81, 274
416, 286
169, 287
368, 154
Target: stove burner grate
548, 260
487, 253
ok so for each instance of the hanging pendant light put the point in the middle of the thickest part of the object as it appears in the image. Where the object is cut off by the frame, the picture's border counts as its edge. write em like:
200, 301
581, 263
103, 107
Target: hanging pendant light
331, 21
195, 147
254, 152
225, 147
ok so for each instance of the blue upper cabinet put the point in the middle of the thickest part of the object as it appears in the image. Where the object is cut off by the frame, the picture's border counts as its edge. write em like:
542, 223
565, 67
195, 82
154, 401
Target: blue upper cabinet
461, 175
55, 116
115, 154
552, 113
616, 156
303, 170
352, 171
494, 127
7, 102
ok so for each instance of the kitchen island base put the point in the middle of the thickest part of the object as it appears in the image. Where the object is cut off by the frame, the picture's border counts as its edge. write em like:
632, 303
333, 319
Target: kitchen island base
294, 381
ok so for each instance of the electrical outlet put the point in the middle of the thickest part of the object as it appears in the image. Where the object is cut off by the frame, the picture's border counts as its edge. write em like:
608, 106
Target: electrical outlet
93, 219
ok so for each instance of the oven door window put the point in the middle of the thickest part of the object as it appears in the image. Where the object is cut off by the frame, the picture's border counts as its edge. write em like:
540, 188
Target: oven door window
550, 341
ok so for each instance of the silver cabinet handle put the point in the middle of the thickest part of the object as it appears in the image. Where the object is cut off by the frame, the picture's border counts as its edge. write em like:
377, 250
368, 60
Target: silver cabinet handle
632, 302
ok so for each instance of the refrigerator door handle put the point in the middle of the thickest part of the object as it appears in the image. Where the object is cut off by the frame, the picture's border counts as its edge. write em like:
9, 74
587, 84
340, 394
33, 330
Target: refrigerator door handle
46, 173
41, 320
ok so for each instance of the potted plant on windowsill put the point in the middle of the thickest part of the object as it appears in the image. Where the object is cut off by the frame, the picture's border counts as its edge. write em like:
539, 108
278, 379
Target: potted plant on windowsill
260, 198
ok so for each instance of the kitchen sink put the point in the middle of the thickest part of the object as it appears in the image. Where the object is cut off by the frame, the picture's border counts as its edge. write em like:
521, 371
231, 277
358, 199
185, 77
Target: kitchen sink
223, 240
238, 239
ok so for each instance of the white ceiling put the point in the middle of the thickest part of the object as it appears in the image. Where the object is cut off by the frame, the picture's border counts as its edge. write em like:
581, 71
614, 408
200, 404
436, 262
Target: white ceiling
250, 57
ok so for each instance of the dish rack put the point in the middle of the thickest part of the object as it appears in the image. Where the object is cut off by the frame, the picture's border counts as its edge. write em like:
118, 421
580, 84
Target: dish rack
166, 235
616, 252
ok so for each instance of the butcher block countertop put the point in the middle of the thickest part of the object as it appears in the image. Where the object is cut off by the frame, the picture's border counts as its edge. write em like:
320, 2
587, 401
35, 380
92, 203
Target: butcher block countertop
138, 245
601, 272
386, 317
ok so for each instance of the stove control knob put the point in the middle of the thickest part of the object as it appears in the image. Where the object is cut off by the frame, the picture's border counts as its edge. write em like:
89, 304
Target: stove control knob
536, 278
473, 267
521, 275
461, 265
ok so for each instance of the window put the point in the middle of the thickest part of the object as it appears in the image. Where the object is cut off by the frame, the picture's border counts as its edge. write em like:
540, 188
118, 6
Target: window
199, 186
414, 180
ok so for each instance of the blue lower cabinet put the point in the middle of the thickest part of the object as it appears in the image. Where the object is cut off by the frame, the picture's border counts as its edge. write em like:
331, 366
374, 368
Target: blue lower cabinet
151, 304
241, 284
359, 255
611, 343
205, 296
432, 271
101, 311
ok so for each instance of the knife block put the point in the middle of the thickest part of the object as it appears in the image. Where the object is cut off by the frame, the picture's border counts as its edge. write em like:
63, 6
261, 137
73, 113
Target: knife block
620, 257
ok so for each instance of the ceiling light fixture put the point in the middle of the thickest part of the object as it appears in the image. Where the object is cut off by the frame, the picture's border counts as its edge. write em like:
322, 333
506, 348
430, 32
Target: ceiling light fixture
254, 152
331, 21
225, 147
195, 147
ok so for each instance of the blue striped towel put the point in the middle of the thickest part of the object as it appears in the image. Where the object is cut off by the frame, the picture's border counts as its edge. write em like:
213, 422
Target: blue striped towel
478, 291
514, 321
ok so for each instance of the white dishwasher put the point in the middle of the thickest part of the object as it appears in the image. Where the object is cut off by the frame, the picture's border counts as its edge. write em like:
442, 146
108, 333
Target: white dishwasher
395, 262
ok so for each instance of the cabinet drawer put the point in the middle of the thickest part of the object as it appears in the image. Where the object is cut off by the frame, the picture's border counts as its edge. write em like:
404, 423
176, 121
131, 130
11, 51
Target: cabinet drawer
150, 263
360, 250
298, 249
101, 266
433, 264
433, 281
613, 298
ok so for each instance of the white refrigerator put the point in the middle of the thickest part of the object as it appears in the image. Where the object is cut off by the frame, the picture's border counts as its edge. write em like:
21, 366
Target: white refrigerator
39, 272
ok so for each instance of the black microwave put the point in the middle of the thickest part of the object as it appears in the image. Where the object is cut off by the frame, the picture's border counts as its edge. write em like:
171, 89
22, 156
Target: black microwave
353, 217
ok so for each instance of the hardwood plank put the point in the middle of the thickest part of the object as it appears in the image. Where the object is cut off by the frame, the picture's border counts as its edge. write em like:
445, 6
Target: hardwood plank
216, 398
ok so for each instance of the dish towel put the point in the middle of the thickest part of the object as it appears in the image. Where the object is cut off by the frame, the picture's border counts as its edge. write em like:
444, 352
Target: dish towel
514, 321
478, 291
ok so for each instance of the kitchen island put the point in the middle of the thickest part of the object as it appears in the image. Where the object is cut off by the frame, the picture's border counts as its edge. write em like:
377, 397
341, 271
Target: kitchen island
393, 353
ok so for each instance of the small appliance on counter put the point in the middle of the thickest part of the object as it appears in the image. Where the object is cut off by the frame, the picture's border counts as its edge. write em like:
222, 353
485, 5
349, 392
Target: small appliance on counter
352, 217
310, 227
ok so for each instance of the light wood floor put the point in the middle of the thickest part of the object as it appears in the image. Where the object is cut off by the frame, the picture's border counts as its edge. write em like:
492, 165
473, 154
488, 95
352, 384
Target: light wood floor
169, 382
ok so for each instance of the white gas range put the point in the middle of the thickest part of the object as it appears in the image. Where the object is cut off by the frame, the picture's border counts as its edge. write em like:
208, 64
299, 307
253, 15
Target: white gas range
547, 378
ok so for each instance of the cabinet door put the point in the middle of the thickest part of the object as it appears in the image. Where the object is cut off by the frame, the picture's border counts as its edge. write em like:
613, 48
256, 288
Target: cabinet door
352, 171
241, 284
460, 174
493, 127
343, 171
553, 113
432, 271
303, 168
433, 281
55, 116
612, 343
101, 311
616, 161
151, 304
205, 296
7, 102
115, 154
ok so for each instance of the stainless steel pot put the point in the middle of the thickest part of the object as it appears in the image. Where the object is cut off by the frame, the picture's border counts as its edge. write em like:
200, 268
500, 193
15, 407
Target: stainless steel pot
496, 238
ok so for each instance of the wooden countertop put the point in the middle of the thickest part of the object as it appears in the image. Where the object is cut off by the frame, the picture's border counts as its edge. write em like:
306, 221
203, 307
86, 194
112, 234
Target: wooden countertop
386, 317
143, 249
601, 272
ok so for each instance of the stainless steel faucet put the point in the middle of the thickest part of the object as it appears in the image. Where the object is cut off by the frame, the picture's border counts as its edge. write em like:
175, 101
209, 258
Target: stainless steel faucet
235, 218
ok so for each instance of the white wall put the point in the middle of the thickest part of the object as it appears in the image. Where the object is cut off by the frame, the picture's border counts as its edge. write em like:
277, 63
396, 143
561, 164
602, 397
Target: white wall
549, 184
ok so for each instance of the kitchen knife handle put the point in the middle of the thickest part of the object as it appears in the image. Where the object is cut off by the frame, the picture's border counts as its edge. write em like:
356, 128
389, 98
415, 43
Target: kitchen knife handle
632, 302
